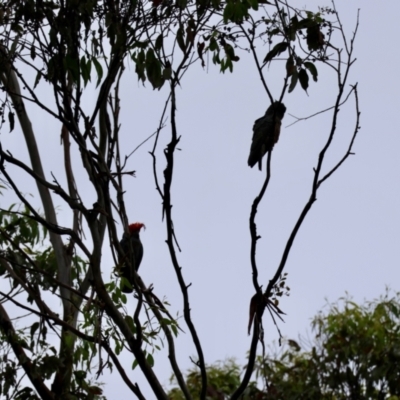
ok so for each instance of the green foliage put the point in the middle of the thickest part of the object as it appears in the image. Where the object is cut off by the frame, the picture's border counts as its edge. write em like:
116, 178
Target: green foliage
84, 28
223, 379
355, 354
288, 33
154, 69
24, 245
276, 51
238, 10
28, 262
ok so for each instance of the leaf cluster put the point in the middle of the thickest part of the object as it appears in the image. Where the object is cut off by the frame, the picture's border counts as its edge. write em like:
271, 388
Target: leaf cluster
354, 354
223, 378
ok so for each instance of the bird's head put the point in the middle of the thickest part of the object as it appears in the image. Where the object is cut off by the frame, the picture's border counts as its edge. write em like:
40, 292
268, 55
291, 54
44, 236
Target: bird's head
278, 109
136, 227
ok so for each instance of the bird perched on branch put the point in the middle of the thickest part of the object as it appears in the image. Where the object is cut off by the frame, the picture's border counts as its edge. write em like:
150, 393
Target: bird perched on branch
131, 244
266, 132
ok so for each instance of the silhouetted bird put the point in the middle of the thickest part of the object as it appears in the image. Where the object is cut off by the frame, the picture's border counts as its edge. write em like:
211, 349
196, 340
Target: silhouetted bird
128, 243
266, 132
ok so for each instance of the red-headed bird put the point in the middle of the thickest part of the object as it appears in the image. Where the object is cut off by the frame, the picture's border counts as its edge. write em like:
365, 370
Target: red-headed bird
128, 242
266, 132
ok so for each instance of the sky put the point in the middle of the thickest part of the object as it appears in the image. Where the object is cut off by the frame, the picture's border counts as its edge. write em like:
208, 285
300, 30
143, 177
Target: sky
349, 242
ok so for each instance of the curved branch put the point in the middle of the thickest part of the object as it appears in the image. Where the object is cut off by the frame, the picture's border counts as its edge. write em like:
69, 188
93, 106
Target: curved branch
171, 344
10, 82
167, 207
253, 227
134, 387
72, 188
114, 313
317, 181
67, 327
250, 365
258, 298
72, 202
259, 69
12, 337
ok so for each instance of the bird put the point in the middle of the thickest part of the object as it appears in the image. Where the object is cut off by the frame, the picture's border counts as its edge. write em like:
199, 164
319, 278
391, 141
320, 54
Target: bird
131, 243
266, 132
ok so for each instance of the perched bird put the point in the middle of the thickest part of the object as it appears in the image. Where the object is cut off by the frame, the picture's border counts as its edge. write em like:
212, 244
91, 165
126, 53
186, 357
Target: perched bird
266, 132
131, 242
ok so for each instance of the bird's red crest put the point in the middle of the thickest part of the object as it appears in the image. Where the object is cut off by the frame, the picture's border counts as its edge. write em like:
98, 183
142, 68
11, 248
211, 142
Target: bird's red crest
136, 227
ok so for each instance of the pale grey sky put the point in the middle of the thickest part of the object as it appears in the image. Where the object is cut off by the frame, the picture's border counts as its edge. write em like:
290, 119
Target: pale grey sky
350, 239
